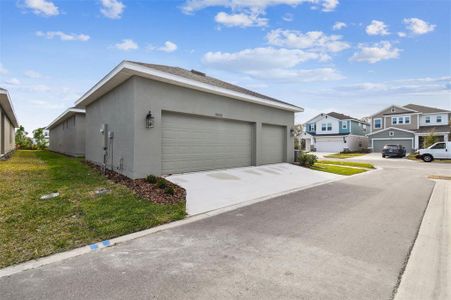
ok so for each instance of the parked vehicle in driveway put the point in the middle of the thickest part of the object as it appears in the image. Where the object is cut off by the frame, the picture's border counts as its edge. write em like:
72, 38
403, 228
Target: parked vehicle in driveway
440, 150
393, 151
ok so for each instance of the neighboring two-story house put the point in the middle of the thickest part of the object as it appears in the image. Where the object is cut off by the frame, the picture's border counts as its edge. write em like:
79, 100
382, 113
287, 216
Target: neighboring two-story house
408, 125
334, 132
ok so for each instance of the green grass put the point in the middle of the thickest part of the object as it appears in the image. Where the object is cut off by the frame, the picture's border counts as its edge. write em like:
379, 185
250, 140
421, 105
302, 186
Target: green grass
340, 170
346, 163
345, 155
32, 228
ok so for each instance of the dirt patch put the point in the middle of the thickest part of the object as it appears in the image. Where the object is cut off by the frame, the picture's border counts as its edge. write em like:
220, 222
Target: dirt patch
145, 189
440, 177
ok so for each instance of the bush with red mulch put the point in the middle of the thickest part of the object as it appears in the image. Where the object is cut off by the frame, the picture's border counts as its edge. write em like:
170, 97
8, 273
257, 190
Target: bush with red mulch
145, 189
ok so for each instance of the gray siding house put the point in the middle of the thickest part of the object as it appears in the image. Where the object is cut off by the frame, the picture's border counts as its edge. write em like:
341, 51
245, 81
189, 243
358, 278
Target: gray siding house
335, 132
408, 125
67, 133
8, 123
146, 119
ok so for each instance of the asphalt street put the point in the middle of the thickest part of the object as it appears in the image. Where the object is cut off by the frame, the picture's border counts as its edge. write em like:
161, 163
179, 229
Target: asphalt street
348, 239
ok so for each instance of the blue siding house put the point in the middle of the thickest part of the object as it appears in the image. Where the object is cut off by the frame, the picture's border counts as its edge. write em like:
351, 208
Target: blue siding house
335, 132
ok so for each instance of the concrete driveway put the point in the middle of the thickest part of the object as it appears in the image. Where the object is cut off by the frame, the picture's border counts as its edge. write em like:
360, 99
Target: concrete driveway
347, 239
211, 190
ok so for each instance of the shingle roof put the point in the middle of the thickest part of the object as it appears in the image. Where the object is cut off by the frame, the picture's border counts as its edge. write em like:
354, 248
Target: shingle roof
343, 117
428, 129
201, 77
424, 109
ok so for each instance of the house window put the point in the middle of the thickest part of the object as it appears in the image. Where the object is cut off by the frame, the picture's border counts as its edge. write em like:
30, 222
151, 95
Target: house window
428, 120
311, 127
391, 133
377, 123
394, 120
407, 120
364, 127
439, 119
323, 127
400, 120
344, 125
329, 126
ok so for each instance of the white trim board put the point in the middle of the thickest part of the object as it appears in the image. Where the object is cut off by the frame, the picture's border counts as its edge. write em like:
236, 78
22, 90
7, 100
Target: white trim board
8, 107
390, 128
126, 69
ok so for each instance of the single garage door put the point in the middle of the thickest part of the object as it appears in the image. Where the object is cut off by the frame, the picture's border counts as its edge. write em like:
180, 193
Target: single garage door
329, 144
273, 144
194, 143
379, 144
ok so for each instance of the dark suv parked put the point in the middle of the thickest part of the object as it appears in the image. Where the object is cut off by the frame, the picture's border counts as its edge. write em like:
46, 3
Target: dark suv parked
393, 151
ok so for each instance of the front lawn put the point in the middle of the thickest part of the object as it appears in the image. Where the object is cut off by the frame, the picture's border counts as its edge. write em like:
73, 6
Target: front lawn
340, 170
32, 228
344, 155
346, 163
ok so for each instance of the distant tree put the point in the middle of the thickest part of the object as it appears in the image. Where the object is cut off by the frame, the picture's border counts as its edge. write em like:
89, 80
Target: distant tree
22, 141
430, 139
39, 138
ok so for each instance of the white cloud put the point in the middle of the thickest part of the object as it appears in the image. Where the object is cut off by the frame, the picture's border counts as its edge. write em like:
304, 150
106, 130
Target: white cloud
375, 52
127, 44
339, 26
402, 34
12, 81
417, 26
112, 9
3, 70
244, 11
377, 28
32, 74
240, 20
39, 88
271, 63
330, 5
42, 7
63, 36
288, 17
314, 40
168, 47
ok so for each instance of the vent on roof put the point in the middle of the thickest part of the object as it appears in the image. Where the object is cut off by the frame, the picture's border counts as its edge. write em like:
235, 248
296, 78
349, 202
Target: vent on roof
198, 73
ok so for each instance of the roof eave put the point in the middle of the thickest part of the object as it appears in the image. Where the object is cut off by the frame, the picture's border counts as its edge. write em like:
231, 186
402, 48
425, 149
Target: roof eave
64, 116
126, 69
8, 107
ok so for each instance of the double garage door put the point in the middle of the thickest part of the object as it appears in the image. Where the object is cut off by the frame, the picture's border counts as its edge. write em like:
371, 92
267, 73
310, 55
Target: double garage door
333, 144
378, 145
195, 143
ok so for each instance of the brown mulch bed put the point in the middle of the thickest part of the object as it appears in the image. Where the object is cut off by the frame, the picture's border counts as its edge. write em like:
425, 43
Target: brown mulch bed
145, 189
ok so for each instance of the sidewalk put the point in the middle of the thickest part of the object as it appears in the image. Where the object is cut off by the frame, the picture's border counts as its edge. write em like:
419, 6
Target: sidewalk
428, 271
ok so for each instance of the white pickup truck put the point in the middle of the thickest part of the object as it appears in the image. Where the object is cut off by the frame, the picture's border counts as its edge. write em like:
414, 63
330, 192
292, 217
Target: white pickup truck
440, 150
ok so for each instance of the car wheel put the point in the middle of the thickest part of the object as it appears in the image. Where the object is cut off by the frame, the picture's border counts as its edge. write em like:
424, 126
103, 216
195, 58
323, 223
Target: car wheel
383, 156
427, 158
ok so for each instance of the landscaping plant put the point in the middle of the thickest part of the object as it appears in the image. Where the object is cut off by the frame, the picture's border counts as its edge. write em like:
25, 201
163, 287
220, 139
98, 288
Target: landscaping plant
307, 160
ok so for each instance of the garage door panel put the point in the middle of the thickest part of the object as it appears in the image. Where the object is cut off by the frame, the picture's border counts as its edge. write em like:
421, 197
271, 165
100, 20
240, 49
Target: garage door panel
329, 145
273, 144
193, 143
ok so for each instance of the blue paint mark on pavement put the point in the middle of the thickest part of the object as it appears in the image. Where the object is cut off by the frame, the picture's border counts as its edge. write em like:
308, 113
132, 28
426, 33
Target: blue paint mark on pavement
106, 243
93, 246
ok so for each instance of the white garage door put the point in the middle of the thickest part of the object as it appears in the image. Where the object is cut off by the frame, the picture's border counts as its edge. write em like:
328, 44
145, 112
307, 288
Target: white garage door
273, 144
329, 145
193, 143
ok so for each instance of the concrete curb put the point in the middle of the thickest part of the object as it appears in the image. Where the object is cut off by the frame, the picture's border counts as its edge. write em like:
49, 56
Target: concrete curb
14, 269
428, 270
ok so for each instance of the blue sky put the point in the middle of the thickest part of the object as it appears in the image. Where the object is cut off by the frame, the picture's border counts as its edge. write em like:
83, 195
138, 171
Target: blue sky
353, 57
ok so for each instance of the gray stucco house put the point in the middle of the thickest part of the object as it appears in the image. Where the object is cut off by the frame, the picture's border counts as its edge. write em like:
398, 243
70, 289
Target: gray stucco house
153, 119
67, 133
335, 132
408, 125
8, 123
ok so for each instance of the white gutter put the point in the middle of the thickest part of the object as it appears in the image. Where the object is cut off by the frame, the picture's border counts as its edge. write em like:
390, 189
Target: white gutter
65, 115
130, 69
8, 107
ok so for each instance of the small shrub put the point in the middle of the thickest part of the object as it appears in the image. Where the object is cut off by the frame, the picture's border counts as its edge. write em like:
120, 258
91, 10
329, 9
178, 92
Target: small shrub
169, 190
161, 183
307, 160
152, 179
